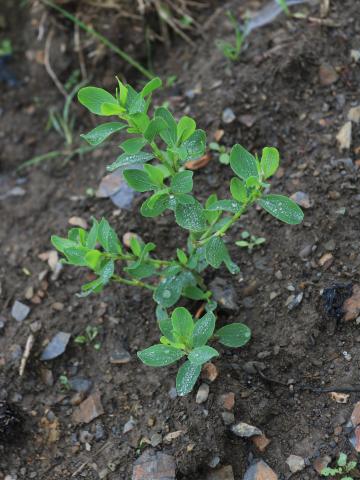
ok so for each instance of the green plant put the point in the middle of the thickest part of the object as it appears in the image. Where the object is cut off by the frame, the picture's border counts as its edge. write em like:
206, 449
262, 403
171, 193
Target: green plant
343, 467
222, 151
89, 337
169, 145
230, 50
5, 47
249, 241
284, 6
64, 382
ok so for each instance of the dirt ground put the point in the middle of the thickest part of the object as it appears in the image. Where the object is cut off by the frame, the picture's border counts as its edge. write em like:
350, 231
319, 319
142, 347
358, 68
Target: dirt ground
294, 84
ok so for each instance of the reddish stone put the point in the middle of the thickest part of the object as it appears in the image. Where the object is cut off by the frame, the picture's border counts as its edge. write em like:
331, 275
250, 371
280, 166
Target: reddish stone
154, 466
351, 306
89, 409
260, 471
261, 442
227, 400
355, 416
320, 463
209, 372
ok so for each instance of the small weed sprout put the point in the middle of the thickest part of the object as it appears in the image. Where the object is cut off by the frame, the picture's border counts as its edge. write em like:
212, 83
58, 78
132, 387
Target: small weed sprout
230, 50
222, 151
249, 241
64, 382
154, 159
284, 6
343, 467
89, 337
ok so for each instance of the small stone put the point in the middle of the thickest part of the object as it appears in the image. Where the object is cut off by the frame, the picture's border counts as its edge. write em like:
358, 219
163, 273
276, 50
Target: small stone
261, 442
155, 440
305, 251
302, 199
129, 425
47, 377
173, 393
295, 463
339, 397
355, 416
82, 385
228, 116
228, 418
115, 187
326, 260
89, 409
247, 120
327, 75
355, 439
252, 367
260, 471
355, 55
278, 275
344, 136
99, 432
85, 436
245, 430
224, 293
227, 400
320, 463
209, 372
77, 398
330, 245
19, 311
153, 465
128, 236
173, 435
354, 114
222, 473
202, 393
274, 295
120, 357
78, 222
351, 306
214, 462
56, 346
58, 306
35, 326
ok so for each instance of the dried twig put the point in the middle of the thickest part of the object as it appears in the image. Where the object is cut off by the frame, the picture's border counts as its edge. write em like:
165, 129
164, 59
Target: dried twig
26, 354
79, 50
48, 67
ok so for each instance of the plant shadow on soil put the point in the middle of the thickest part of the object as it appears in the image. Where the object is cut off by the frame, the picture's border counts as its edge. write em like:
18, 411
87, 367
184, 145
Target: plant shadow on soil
276, 84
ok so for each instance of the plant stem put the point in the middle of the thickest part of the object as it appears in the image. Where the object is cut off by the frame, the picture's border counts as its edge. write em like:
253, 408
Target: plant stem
133, 283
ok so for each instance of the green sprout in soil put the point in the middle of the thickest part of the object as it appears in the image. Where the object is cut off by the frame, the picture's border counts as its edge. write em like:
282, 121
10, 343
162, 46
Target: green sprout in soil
249, 241
222, 151
89, 337
284, 6
64, 382
343, 467
5, 47
154, 159
232, 50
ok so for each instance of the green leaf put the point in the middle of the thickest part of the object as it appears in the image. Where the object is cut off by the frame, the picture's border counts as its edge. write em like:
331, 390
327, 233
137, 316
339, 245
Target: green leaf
282, 208
238, 190
185, 199
234, 335
269, 161
242, 162
182, 182
341, 462
181, 255
91, 239
138, 180
108, 238
155, 205
154, 84
168, 292
186, 378
78, 235
170, 134
195, 293
92, 258
110, 109
231, 266
193, 147
203, 329
185, 128
141, 121
92, 98
326, 472
156, 174
191, 217
226, 206
135, 102
182, 322
155, 127
160, 355
101, 132
92, 287
76, 255
166, 328
161, 314
201, 355
216, 252
127, 159
62, 243
133, 145
107, 271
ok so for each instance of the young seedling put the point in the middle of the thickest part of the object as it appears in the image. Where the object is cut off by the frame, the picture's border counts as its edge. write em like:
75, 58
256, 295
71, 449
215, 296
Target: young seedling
284, 6
343, 467
222, 151
89, 337
154, 159
229, 50
64, 382
249, 241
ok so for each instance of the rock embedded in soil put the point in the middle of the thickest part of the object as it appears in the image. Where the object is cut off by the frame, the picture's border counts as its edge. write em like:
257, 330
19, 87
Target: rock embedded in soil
78, 222
115, 187
120, 357
302, 199
203, 393
295, 463
327, 75
89, 409
227, 400
260, 471
354, 114
320, 463
222, 473
224, 294
355, 416
344, 136
56, 346
153, 465
19, 311
351, 306
81, 385
244, 430
228, 116
261, 442
209, 372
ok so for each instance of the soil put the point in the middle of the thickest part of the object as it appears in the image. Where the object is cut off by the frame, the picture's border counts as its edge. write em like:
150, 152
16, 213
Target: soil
276, 84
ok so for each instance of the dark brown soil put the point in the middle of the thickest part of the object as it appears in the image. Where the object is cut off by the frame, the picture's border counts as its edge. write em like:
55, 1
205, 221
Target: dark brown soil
277, 82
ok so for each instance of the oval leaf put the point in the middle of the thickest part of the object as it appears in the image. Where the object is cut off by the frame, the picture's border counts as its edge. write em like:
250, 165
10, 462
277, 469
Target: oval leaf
191, 217
127, 159
216, 252
182, 182
138, 180
203, 329
203, 354
282, 208
160, 355
182, 322
186, 378
234, 335
269, 161
168, 292
92, 98
101, 132
242, 162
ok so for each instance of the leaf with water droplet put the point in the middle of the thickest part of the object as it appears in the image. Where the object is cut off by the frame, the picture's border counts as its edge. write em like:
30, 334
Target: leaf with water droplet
234, 335
102, 132
282, 208
186, 378
160, 355
168, 292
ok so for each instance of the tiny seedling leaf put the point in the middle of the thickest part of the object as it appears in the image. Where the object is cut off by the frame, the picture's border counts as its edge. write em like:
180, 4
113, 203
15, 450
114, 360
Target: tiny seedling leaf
234, 335
203, 354
160, 355
269, 161
203, 329
186, 378
242, 162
